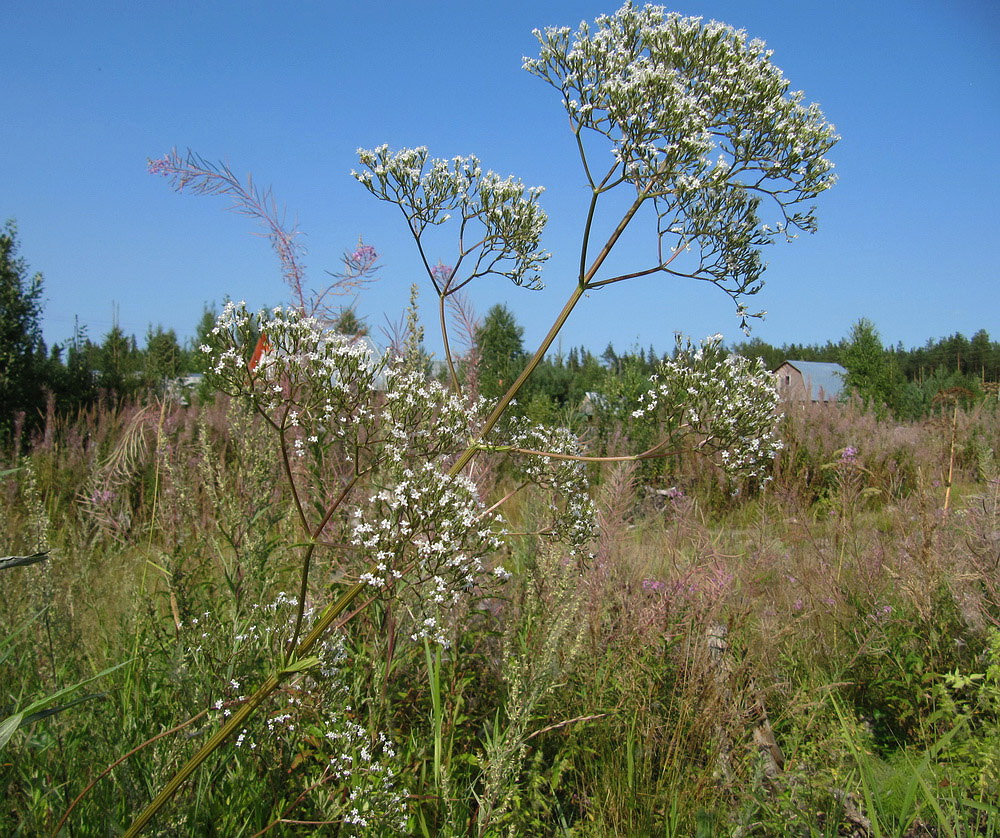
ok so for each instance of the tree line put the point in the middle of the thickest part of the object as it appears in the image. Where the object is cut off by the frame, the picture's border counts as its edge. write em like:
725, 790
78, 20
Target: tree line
906, 384
80, 372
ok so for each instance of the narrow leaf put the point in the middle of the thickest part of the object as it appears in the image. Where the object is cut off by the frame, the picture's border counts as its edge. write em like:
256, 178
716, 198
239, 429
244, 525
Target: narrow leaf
7, 562
7, 728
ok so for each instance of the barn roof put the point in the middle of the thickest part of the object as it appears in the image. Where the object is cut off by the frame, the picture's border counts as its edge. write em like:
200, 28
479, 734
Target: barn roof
822, 376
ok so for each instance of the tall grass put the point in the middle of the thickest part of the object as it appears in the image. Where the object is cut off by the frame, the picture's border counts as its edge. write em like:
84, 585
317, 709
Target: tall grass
863, 623
353, 600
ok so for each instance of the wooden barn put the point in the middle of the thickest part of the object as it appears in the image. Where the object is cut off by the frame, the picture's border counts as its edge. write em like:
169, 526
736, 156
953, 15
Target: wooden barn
811, 382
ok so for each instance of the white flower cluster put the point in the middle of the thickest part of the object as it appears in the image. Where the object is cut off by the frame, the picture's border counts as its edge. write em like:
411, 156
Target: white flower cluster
418, 531
672, 93
422, 419
365, 767
719, 403
699, 120
429, 530
429, 190
572, 514
315, 385
299, 350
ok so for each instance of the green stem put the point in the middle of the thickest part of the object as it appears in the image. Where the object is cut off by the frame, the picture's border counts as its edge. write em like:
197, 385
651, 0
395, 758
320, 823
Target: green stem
236, 721
582, 286
447, 347
286, 463
307, 560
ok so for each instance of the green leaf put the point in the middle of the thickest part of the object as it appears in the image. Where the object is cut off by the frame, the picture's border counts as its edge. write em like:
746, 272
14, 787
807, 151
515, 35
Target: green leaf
52, 711
42, 703
301, 666
7, 728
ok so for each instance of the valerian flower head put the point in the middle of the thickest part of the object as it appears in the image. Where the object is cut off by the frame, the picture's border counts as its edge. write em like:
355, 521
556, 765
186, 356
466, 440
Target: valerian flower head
566, 513
426, 535
700, 121
720, 404
304, 364
500, 221
315, 386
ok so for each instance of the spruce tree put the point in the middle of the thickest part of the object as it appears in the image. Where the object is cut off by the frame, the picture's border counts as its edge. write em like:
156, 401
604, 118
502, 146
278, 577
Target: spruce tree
22, 351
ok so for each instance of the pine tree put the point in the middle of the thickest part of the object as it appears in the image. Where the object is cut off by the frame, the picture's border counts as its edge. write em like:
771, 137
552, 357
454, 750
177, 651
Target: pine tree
163, 356
870, 372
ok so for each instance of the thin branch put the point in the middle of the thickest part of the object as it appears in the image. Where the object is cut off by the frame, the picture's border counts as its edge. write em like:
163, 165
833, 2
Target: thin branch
559, 725
452, 374
658, 269
116, 763
307, 561
286, 463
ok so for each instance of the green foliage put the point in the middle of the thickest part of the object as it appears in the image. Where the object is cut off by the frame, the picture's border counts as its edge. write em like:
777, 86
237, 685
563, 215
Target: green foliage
163, 357
119, 365
501, 351
348, 323
590, 685
969, 703
906, 380
870, 372
21, 348
72, 373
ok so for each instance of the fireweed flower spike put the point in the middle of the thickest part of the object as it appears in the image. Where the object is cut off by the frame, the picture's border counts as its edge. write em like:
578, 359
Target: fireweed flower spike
193, 173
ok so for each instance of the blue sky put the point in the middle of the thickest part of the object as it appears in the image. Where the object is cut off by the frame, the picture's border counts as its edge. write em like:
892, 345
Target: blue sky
289, 91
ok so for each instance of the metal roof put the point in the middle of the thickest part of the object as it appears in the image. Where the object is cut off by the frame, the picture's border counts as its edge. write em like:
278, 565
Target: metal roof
819, 375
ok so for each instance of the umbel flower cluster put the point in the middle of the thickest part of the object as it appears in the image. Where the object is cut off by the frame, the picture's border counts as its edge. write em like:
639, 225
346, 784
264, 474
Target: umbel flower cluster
376, 438
546, 459
500, 221
430, 526
721, 404
700, 121
307, 376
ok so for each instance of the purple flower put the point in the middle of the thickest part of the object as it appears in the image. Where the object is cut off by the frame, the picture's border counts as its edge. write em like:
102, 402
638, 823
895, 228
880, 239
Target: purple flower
653, 585
881, 613
849, 454
441, 272
363, 258
163, 166
102, 496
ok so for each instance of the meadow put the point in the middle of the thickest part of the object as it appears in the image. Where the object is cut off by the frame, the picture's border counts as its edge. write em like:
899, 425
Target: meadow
820, 657
339, 595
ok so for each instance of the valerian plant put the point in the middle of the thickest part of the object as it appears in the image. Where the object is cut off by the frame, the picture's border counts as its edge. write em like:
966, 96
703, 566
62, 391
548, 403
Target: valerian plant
499, 221
701, 126
704, 131
722, 405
